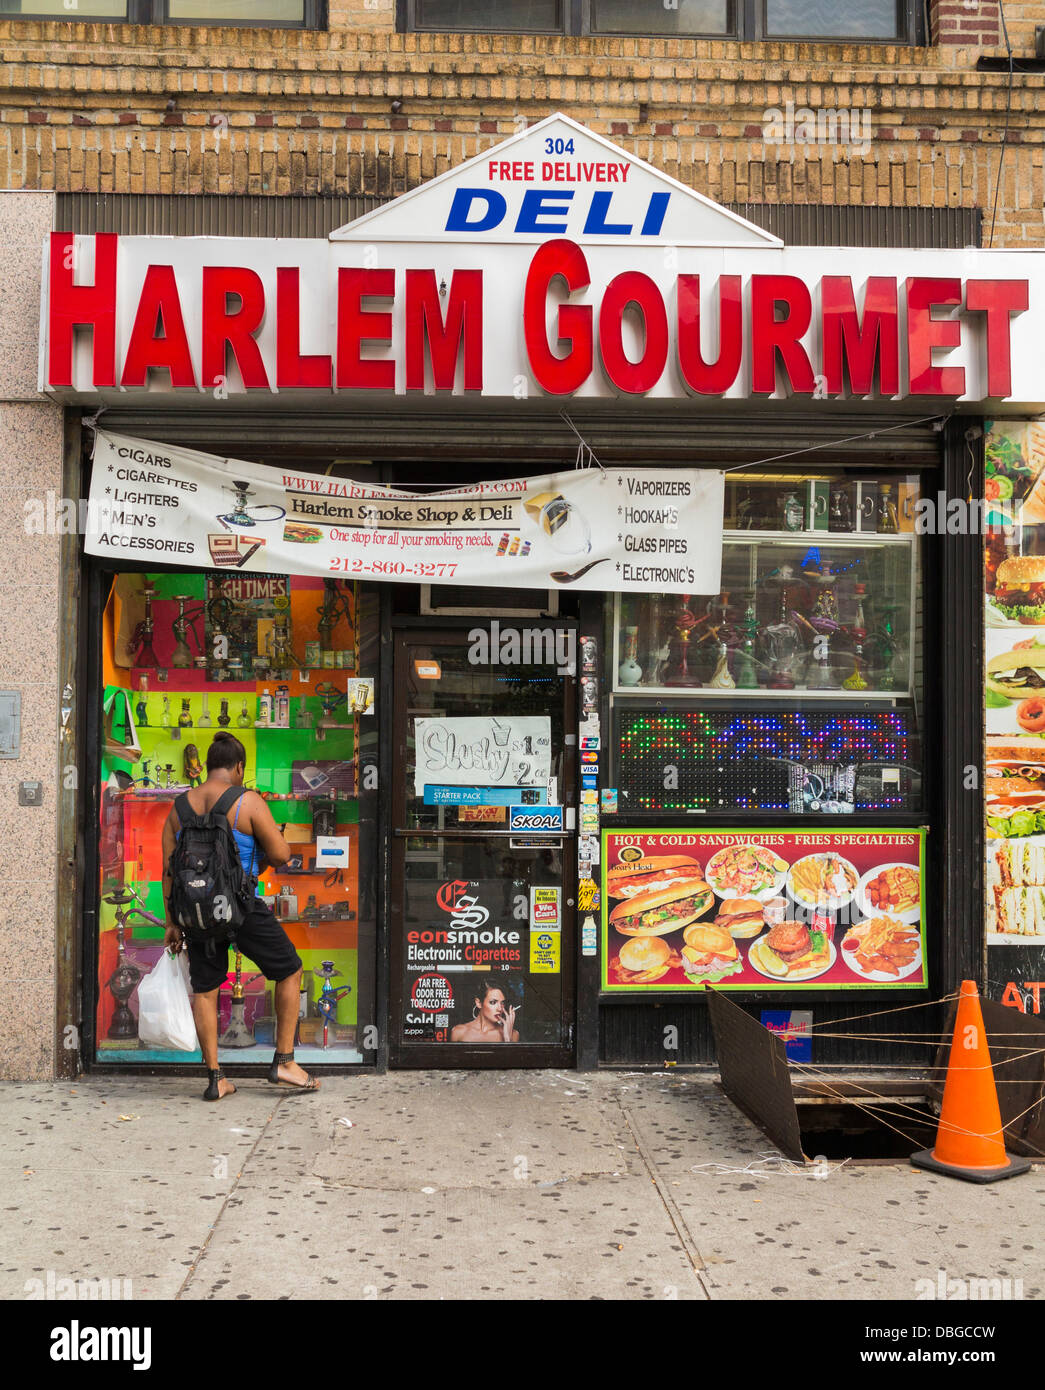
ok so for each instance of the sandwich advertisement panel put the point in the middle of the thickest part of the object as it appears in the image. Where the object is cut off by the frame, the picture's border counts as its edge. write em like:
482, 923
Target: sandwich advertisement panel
763, 909
1014, 712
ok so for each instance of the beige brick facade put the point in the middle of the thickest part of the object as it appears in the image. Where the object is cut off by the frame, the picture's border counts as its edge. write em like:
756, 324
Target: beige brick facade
127, 109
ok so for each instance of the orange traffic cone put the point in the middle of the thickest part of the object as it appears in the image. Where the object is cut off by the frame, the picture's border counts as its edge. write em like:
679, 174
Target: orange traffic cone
969, 1141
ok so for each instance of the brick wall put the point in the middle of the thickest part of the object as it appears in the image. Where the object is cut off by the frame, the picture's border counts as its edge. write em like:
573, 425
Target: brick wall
967, 22
119, 108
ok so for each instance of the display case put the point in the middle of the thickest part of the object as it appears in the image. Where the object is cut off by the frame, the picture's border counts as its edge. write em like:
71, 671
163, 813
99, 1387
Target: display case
796, 688
277, 661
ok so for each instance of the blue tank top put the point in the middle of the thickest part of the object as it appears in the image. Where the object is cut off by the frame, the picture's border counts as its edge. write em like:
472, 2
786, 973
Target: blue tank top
247, 846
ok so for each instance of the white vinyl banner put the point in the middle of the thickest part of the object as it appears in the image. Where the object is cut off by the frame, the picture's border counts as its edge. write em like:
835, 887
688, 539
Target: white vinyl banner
616, 529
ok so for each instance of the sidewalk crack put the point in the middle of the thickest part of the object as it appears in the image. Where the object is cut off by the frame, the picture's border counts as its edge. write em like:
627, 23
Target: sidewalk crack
668, 1202
228, 1195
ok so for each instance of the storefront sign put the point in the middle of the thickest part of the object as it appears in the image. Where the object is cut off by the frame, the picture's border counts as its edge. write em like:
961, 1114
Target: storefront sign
528, 272
795, 1027
656, 528
484, 796
466, 959
763, 910
545, 952
507, 751
532, 820
544, 908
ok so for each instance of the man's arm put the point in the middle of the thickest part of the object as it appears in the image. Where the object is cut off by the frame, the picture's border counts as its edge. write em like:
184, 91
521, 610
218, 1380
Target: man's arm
266, 832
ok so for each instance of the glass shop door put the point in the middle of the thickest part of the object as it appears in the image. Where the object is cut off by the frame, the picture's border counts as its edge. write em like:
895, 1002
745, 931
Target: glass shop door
483, 881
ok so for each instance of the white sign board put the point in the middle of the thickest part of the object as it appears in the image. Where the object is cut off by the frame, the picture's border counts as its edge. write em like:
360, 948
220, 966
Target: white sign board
495, 751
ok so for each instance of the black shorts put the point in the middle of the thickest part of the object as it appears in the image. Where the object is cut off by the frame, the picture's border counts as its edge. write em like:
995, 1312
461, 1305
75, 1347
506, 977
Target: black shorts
262, 940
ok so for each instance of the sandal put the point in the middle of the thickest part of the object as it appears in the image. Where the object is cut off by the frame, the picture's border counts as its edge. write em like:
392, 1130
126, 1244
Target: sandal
213, 1092
283, 1059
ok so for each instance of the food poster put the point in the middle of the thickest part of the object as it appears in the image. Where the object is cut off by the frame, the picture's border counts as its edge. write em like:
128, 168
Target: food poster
763, 910
1014, 706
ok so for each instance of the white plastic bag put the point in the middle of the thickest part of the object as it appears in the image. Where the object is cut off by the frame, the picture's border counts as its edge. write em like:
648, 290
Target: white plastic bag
164, 1012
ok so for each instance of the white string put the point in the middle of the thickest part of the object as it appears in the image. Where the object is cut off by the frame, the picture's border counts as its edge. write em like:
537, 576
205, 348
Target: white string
769, 1165
832, 443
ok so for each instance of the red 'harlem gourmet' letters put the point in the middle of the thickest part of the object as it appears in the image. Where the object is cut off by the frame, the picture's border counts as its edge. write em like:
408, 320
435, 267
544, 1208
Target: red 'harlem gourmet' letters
830, 337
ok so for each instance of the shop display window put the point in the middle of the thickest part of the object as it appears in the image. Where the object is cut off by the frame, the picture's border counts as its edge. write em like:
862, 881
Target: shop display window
285, 664
795, 689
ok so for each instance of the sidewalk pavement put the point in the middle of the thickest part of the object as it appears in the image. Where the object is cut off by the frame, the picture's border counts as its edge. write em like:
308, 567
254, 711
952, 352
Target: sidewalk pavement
478, 1185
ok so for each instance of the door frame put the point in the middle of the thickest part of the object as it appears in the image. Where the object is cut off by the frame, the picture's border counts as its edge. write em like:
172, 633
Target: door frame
458, 1056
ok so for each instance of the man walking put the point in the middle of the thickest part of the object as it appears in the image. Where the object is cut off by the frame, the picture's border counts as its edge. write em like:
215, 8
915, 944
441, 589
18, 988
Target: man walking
259, 936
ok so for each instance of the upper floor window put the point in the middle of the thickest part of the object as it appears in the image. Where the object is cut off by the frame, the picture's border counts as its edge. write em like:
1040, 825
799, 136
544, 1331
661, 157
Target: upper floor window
285, 14
889, 20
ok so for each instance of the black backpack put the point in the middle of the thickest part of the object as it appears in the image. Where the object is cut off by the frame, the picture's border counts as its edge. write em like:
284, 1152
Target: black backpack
210, 892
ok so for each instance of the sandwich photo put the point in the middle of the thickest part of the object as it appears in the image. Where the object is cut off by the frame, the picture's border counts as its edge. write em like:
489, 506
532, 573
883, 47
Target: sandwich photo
1015, 814
649, 875
791, 951
1014, 766
1019, 673
1016, 878
298, 531
741, 917
664, 910
644, 959
1019, 590
710, 953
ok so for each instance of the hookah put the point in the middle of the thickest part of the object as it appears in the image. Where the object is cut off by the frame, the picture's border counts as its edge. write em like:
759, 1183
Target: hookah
224, 718
237, 1034
241, 514
858, 631
141, 638
331, 698
141, 709
330, 997
745, 661
224, 616
337, 604
721, 679
205, 721
124, 980
685, 622
782, 637
282, 659
184, 623
884, 640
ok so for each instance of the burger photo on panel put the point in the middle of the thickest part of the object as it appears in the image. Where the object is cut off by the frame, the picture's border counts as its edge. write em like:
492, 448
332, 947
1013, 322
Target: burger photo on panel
741, 917
792, 951
709, 953
1019, 591
655, 913
1020, 672
644, 959
649, 875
